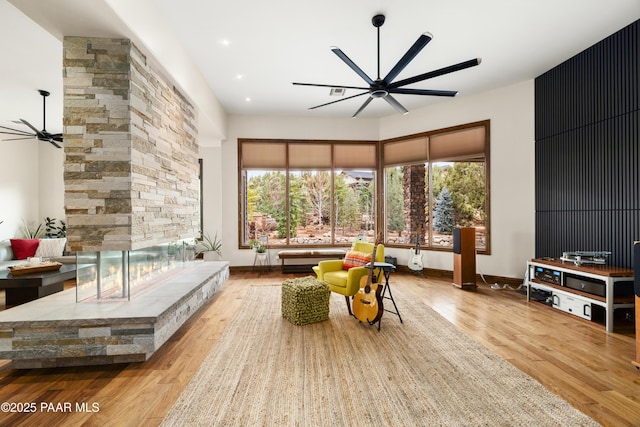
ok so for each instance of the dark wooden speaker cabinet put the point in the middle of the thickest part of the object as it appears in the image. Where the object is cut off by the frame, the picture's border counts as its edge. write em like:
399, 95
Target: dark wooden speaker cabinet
464, 257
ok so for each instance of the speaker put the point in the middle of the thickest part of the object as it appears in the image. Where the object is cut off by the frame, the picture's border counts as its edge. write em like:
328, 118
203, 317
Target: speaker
636, 268
464, 257
456, 240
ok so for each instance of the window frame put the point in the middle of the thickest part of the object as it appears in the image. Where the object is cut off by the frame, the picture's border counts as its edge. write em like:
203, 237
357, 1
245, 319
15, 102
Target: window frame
334, 166
379, 182
427, 244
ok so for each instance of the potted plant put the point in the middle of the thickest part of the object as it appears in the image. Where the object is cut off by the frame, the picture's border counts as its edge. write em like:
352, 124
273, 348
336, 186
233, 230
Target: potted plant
54, 230
30, 232
211, 249
188, 250
172, 252
253, 244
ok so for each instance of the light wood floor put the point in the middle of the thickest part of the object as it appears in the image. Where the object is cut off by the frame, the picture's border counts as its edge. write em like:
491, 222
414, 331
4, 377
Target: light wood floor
573, 358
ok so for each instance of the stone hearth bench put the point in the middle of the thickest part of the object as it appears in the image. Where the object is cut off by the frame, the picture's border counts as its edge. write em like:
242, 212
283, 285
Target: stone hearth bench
315, 254
57, 331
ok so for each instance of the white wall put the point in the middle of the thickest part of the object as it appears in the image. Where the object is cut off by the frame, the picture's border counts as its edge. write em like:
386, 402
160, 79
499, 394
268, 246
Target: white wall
51, 182
511, 111
31, 185
19, 179
213, 183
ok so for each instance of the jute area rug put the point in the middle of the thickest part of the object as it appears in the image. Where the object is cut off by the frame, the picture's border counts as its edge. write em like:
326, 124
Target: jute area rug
265, 371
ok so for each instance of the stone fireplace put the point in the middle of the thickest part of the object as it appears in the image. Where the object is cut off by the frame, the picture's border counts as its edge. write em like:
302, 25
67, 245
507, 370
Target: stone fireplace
131, 198
131, 167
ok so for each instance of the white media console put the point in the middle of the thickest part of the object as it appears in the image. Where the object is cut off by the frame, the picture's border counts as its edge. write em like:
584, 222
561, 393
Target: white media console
576, 289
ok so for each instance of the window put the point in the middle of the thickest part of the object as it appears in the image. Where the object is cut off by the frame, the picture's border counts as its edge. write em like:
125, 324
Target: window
437, 181
326, 193
304, 193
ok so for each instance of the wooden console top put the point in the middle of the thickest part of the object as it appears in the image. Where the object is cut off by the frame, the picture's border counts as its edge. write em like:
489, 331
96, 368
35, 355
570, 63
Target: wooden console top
601, 270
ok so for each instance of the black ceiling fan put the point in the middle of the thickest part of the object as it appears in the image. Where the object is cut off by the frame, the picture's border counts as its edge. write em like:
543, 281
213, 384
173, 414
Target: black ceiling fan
42, 135
383, 88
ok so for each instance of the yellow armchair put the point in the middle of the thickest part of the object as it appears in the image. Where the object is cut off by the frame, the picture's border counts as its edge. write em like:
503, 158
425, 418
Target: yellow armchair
346, 282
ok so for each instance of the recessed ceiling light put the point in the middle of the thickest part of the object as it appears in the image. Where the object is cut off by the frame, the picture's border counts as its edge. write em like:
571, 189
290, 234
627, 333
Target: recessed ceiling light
225, 42
239, 76
247, 99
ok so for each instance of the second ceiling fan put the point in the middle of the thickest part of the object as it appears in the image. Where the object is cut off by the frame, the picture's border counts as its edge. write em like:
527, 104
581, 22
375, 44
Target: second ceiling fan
385, 87
42, 135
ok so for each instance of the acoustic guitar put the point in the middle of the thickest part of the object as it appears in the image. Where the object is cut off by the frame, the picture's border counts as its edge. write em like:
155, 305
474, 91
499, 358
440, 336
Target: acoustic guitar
415, 261
367, 302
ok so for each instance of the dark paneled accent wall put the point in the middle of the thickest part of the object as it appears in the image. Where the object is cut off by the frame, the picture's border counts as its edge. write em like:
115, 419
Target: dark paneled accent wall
588, 151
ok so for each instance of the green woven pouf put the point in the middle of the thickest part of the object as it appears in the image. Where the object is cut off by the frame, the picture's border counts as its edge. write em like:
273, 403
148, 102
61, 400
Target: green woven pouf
305, 300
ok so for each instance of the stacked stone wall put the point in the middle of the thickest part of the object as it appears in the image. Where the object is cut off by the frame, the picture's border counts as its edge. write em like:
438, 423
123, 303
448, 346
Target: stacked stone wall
131, 156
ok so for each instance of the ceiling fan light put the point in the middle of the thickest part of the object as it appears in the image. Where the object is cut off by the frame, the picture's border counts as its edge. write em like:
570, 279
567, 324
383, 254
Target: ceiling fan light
379, 93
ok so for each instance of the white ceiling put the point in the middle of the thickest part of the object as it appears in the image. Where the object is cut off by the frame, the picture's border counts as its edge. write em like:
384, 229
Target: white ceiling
272, 44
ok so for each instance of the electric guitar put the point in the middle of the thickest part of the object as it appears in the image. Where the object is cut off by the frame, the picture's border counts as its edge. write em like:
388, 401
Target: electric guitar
367, 302
415, 261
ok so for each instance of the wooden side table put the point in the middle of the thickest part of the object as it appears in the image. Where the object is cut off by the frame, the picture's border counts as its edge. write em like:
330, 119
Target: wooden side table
28, 287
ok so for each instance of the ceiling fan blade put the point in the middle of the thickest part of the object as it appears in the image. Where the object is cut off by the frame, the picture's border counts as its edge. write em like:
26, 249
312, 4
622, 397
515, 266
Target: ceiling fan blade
436, 73
339, 100
431, 92
395, 104
44, 136
331, 86
41, 135
362, 107
15, 132
408, 57
19, 139
352, 65
53, 142
38, 133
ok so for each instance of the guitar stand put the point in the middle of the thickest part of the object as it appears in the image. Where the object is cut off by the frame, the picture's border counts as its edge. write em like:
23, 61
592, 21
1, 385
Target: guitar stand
419, 273
386, 269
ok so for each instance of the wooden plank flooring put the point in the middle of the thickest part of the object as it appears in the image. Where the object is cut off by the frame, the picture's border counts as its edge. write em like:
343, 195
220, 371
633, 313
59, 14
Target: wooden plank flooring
575, 359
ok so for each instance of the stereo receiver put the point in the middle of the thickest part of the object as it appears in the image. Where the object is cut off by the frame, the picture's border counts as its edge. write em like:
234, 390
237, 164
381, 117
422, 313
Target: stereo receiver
547, 275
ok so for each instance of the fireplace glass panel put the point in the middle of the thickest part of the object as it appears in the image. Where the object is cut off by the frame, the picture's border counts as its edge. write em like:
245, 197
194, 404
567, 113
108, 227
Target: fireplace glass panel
122, 275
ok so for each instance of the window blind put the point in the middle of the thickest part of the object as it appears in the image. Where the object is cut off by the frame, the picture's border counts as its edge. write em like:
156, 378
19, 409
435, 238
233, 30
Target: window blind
460, 145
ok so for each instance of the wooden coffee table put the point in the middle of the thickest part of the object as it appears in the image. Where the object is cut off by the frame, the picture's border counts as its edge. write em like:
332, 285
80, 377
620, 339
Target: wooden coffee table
29, 287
